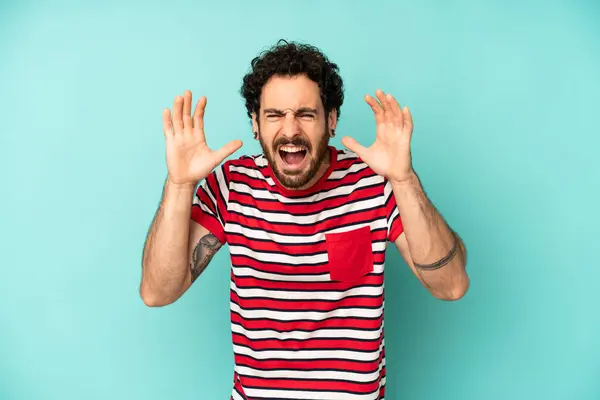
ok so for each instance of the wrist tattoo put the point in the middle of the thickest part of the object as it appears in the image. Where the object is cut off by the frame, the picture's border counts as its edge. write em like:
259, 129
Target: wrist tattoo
204, 251
442, 262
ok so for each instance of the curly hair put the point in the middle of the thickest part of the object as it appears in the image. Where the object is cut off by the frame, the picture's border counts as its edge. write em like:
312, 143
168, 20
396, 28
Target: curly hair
290, 59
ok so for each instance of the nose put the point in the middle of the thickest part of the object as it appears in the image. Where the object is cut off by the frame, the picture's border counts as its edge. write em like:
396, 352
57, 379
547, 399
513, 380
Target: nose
290, 126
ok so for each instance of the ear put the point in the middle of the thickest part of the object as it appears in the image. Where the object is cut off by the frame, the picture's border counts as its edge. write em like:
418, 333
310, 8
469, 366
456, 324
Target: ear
254, 123
332, 119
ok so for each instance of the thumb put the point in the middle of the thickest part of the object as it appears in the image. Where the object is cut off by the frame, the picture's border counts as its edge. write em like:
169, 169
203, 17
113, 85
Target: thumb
227, 150
354, 146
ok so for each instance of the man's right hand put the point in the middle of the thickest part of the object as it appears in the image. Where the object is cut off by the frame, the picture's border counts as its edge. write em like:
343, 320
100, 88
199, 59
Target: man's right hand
189, 159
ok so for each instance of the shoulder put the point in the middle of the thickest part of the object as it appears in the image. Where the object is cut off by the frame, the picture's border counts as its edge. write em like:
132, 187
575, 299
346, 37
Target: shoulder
250, 165
351, 170
347, 157
349, 162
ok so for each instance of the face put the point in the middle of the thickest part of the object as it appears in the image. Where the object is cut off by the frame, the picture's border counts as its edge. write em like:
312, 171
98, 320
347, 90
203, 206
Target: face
293, 130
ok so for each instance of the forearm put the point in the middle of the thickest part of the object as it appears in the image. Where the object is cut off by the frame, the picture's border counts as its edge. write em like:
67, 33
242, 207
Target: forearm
165, 265
438, 254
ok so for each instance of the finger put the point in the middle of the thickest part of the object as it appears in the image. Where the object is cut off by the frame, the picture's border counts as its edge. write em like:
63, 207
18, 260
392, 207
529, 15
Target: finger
395, 110
227, 150
388, 114
408, 121
167, 125
199, 115
187, 111
354, 146
177, 111
376, 107
381, 97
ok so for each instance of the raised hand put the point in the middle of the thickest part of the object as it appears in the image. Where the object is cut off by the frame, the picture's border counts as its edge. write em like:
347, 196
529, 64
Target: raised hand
389, 155
189, 159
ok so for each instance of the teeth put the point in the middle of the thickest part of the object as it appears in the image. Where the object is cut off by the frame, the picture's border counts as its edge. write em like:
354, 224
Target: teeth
291, 149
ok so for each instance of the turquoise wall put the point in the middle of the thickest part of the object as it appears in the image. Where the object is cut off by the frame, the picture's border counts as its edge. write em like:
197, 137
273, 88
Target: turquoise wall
505, 96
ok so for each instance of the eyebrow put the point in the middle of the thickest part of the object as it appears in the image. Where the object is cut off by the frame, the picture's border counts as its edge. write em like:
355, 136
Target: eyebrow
298, 111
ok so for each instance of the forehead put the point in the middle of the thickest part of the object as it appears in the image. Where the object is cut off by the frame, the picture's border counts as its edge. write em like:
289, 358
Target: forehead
293, 92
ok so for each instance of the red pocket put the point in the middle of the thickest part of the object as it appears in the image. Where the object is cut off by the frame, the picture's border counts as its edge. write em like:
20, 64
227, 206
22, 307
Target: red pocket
350, 254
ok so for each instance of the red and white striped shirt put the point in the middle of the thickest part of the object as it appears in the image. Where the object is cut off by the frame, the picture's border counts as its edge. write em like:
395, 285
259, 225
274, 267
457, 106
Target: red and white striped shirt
307, 283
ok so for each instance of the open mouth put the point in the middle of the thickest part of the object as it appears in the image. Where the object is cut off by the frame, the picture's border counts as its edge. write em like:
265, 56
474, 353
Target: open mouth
292, 155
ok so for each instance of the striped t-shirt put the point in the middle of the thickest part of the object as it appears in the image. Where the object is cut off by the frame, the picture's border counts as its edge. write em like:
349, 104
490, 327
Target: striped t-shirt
306, 277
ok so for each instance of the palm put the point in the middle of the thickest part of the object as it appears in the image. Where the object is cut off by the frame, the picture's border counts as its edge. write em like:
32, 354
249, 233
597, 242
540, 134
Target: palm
389, 155
380, 157
189, 159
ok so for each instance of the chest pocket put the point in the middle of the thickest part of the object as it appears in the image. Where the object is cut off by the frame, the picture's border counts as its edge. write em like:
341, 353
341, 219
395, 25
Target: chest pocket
350, 254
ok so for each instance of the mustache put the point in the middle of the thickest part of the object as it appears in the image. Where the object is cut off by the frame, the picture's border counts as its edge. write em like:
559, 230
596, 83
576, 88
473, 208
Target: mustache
295, 141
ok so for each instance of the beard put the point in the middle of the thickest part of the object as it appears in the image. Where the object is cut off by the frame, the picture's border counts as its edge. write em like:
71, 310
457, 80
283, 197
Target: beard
296, 179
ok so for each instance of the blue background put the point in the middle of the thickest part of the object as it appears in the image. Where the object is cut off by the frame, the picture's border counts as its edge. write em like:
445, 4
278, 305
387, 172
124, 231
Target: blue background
505, 97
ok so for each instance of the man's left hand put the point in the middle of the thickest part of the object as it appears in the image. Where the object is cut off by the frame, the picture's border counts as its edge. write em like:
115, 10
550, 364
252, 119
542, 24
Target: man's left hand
389, 156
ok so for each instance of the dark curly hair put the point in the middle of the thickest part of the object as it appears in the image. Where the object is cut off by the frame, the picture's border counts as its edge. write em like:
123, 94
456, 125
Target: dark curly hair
289, 59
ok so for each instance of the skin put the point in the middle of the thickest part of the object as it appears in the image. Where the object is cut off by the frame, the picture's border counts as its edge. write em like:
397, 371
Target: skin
427, 238
177, 249
291, 111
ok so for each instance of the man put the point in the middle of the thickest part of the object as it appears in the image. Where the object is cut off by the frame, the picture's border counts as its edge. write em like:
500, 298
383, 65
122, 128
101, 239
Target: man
307, 226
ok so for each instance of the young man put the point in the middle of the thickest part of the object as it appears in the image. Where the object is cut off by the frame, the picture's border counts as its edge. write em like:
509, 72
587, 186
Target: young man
307, 227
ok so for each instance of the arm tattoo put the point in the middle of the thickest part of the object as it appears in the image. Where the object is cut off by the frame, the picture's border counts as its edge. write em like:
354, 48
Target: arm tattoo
442, 262
203, 253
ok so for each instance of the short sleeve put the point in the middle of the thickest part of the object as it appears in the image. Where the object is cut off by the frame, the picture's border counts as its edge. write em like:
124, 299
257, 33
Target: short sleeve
392, 215
209, 207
